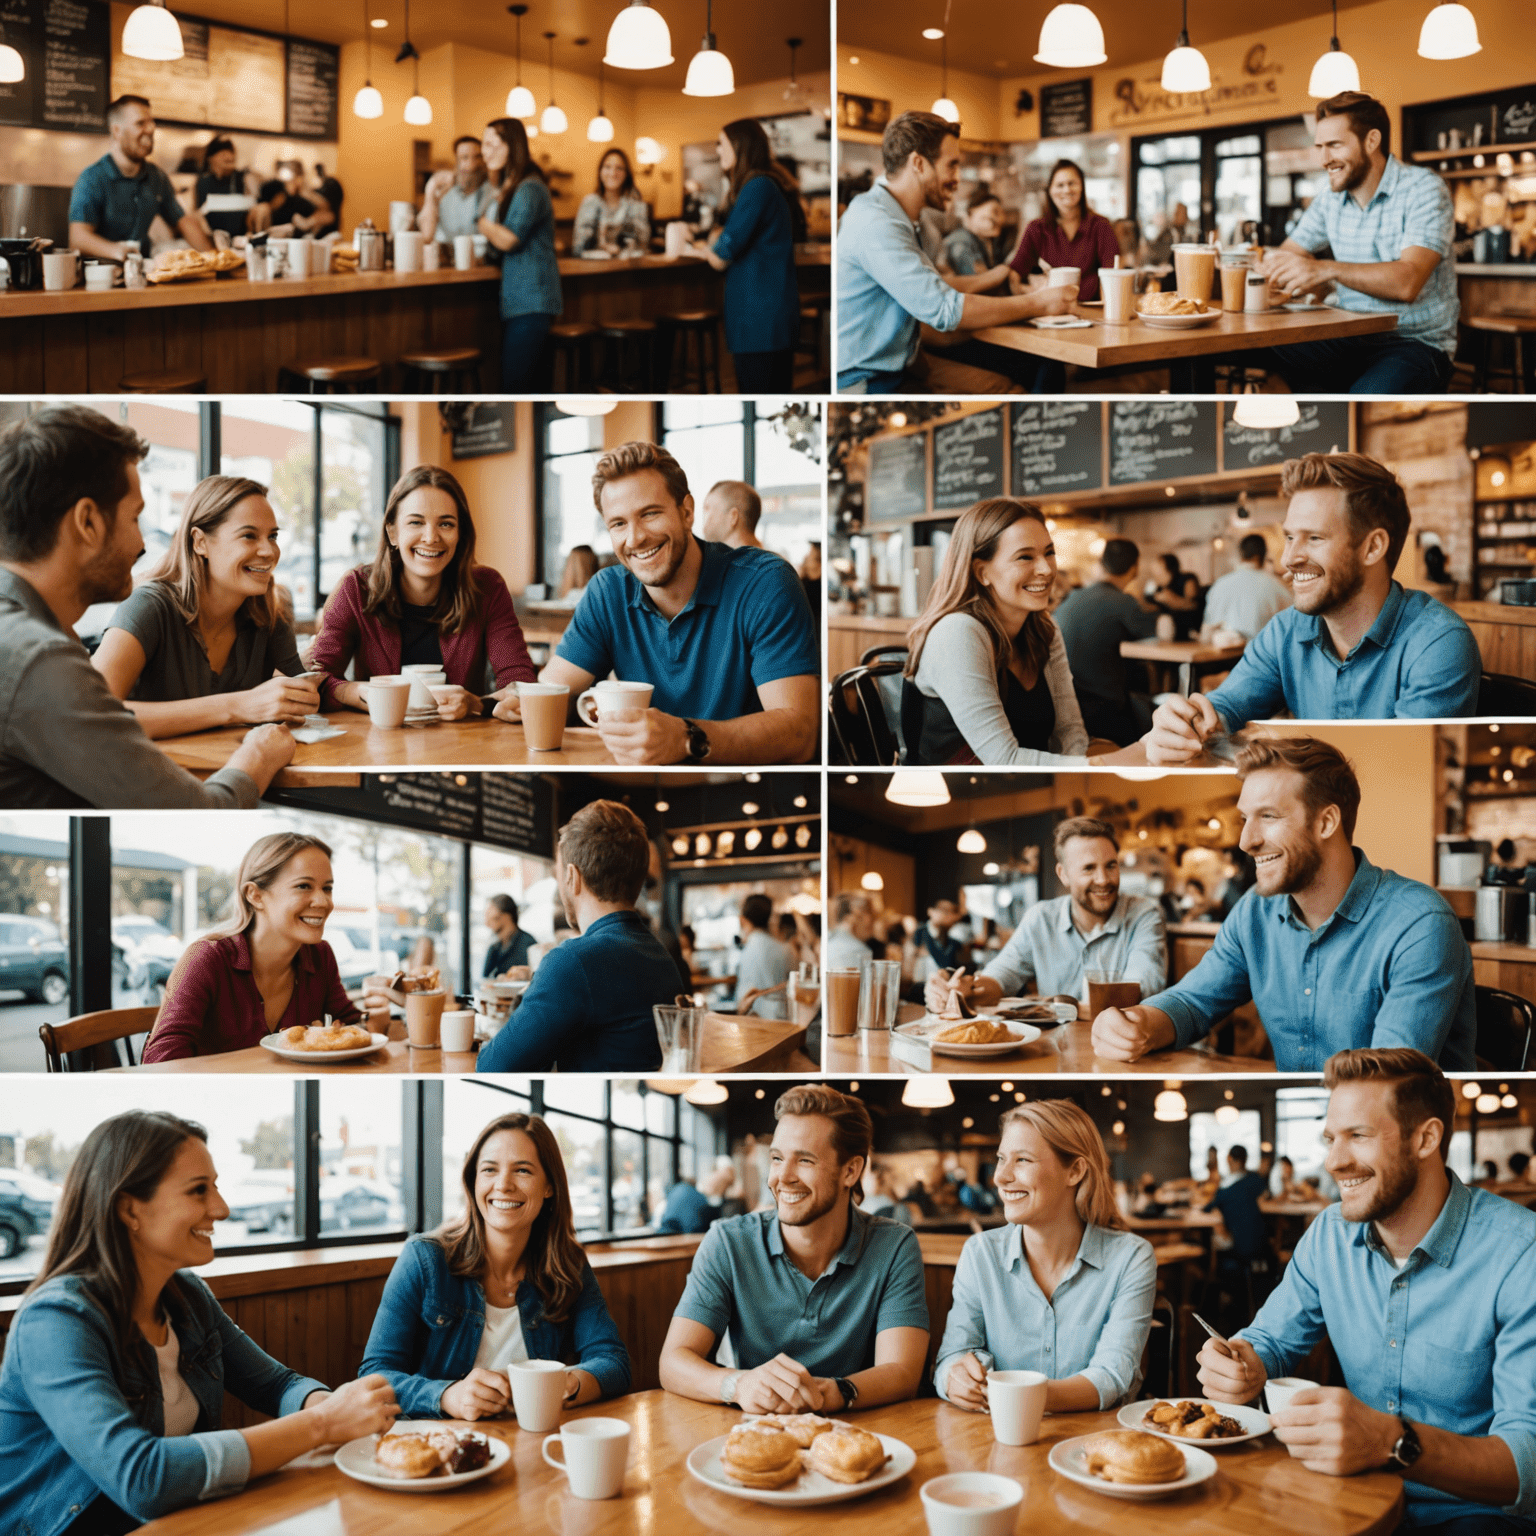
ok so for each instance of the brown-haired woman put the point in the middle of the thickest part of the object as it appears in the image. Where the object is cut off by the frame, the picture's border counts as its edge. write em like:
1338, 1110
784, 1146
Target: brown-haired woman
268, 968
201, 643
505, 1283
1063, 1288
1068, 233
118, 1360
615, 216
423, 602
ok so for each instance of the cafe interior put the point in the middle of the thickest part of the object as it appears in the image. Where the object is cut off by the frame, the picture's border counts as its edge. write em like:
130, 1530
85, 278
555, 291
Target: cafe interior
900, 474
1222, 129
373, 95
96, 911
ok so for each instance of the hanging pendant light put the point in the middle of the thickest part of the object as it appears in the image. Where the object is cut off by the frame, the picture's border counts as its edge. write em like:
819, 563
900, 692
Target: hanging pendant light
971, 841
927, 1092
1449, 32
944, 107
794, 92
1071, 38
12, 66
553, 119
1170, 1105
1266, 413
368, 102
600, 129
709, 71
418, 110
1185, 71
638, 38
152, 33
917, 787
1334, 71
872, 880
520, 102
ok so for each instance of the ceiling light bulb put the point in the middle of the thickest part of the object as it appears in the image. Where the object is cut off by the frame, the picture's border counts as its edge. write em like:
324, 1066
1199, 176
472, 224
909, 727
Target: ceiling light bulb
707, 1091
709, 72
638, 38
1334, 72
917, 787
1185, 72
933, 34
1170, 1105
1449, 32
971, 841
662, 806
1118, 1128
1227, 1114
946, 109
1470, 1090
1071, 38
990, 869
1487, 1103
927, 1092
749, 807
753, 838
1266, 413
418, 111
151, 32
1509, 1101
553, 120
12, 66
649, 151
873, 880
520, 102
368, 102
600, 129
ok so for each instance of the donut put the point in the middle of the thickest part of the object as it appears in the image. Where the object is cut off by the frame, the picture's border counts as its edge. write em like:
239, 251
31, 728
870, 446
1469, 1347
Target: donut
760, 1455
408, 1456
1129, 1456
847, 1454
802, 1427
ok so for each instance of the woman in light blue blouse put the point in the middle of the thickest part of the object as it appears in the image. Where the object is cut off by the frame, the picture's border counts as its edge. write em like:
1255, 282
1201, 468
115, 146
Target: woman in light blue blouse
521, 226
1063, 1288
614, 216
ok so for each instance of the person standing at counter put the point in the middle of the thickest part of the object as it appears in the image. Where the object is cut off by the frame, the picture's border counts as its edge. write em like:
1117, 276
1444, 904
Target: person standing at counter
423, 601
764, 963
117, 198
853, 926
455, 200
202, 642
521, 227
614, 218
281, 202
220, 196
511, 945
1068, 233
505, 1283
116, 1366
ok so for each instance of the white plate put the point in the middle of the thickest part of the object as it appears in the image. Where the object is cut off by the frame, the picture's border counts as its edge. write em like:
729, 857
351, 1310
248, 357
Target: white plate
355, 1458
1255, 1424
274, 1044
810, 1487
1061, 322
927, 1027
1180, 323
1067, 1458
1066, 1013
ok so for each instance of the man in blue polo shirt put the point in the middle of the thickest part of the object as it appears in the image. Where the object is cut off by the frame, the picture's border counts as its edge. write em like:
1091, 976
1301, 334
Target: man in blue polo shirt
117, 198
1335, 952
1427, 1292
824, 1304
723, 635
1355, 645
1389, 227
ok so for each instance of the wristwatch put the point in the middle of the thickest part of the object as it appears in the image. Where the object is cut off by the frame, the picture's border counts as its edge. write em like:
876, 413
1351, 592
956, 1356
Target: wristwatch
698, 741
847, 1388
728, 1384
1407, 1450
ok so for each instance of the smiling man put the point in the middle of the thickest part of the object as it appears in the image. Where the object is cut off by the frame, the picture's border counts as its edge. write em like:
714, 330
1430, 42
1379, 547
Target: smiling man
1335, 952
724, 636
1426, 1290
1355, 644
824, 1304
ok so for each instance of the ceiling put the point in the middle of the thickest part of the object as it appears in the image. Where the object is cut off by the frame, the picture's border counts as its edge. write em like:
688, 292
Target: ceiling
750, 34
1002, 43
1013, 794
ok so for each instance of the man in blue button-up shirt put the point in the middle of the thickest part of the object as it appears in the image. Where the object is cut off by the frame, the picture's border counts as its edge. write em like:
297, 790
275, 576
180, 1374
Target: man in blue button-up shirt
1427, 1291
1356, 645
1334, 951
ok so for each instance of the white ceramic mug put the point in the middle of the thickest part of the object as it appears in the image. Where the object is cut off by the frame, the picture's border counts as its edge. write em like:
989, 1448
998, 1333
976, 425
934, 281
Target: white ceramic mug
594, 1455
388, 699
408, 244
1118, 285
1279, 1390
100, 275
423, 679
300, 254
1064, 277
1017, 1403
456, 1030
463, 252
971, 1504
61, 270
538, 1389
611, 695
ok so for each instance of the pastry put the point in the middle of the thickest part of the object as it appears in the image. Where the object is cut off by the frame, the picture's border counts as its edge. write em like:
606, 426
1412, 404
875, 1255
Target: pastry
760, 1455
1129, 1456
804, 1427
976, 1032
1169, 304
847, 1454
470, 1452
426, 979
326, 1037
1191, 1421
409, 1456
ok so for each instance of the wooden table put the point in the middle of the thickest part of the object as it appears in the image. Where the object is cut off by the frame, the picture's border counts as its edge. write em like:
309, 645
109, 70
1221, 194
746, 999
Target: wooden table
1258, 1490
1193, 658
1065, 1049
1191, 355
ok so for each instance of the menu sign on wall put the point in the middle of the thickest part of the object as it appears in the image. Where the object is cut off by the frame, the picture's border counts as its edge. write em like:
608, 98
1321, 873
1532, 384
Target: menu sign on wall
313, 72
1066, 109
968, 460
1057, 447
485, 428
1161, 440
897, 483
64, 45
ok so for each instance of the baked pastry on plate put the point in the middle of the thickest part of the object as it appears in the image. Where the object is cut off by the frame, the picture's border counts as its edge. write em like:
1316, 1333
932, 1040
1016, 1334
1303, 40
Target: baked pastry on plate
803, 1427
1129, 1456
847, 1454
760, 1455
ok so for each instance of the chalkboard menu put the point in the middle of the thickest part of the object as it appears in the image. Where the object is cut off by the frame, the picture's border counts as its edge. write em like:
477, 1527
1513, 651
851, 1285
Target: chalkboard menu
1516, 116
486, 428
1066, 109
313, 72
517, 811
1161, 440
1057, 447
968, 460
64, 46
1323, 428
897, 482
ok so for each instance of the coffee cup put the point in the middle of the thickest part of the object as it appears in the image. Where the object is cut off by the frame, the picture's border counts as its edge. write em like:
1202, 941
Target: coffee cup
61, 270
388, 699
423, 680
594, 1454
408, 244
1279, 1390
1194, 271
463, 252
538, 1389
1110, 989
1234, 282
100, 274
299, 254
1064, 277
610, 697
1017, 1402
424, 1018
456, 1029
971, 1504
543, 707
1118, 285
431, 256
840, 999
482, 247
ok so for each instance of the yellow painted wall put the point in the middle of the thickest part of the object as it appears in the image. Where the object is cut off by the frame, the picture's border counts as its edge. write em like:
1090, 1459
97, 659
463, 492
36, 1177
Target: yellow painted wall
910, 86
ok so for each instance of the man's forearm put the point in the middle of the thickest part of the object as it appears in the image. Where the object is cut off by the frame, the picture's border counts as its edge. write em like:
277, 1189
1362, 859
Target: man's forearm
86, 240
1394, 280
893, 1383
773, 736
689, 1374
984, 309
1477, 1468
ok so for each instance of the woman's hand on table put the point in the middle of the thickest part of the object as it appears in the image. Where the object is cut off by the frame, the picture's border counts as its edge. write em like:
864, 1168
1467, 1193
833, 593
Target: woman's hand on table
281, 699
363, 1407
454, 702
967, 1384
481, 1395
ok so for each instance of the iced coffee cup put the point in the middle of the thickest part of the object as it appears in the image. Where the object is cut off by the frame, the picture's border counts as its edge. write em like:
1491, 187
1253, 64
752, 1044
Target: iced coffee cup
423, 1019
1110, 989
840, 1000
1194, 270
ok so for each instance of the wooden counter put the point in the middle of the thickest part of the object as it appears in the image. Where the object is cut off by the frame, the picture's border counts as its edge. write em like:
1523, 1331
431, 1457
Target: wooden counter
1506, 288
1505, 634
849, 635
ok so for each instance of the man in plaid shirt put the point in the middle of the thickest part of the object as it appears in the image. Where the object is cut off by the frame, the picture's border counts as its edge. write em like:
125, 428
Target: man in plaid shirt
1389, 227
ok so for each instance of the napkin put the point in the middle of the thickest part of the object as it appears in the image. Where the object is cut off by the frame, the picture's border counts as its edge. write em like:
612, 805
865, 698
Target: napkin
314, 733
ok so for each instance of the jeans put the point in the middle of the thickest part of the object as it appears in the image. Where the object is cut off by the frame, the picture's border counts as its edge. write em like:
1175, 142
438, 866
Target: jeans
525, 355
1041, 376
1473, 1525
764, 373
1380, 364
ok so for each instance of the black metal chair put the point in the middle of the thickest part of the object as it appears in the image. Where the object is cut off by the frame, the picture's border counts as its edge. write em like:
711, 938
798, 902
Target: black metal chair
862, 725
1505, 1024
1501, 696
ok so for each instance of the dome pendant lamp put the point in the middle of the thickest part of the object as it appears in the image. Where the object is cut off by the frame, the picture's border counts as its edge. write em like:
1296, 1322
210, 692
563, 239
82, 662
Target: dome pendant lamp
553, 119
520, 102
600, 129
12, 66
368, 102
152, 33
1449, 32
1334, 71
1071, 38
418, 110
638, 38
1185, 72
709, 71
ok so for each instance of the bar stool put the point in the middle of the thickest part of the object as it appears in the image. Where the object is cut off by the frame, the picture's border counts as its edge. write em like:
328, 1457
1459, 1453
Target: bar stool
329, 375
623, 341
699, 331
455, 369
163, 381
571, 344
812, 313
1485, 328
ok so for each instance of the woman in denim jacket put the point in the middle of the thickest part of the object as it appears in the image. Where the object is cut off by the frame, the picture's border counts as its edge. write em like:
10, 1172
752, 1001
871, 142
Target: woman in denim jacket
119, 1357
506, 1282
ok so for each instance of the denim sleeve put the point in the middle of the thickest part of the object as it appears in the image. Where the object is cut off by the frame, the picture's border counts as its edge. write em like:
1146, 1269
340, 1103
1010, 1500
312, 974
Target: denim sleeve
588, 641
1291, 1321
747, 216
907, 275
1311, 232
259, 1381
1014, 966
1443, 679
529, 208
779, 632
1431, 223
398, 1339
1427, 972
1255, 689
1115, 1366
1146, 959
555, 1006
1212, 990
1514, 1368
708, 1296
599, 1349
965, 1329
903, 1299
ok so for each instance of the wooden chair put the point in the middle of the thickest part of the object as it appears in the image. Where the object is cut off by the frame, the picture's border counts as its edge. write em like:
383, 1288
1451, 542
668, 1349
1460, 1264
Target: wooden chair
339, 375
862, 724
98, 1034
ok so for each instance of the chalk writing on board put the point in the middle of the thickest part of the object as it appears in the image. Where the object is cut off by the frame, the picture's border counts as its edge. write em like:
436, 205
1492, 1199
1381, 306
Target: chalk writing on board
1152, 440
1323, 428
1055, 446
509, 812
968, 459
896, 485
448, 805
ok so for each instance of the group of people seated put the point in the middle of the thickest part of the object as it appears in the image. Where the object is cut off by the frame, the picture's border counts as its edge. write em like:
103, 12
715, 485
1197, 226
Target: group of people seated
723, 632
119, 1356
992, 676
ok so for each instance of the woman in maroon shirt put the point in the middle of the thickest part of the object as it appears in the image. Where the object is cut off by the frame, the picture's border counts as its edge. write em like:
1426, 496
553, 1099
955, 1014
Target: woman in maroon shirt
268, 968
422, 602
1068, 234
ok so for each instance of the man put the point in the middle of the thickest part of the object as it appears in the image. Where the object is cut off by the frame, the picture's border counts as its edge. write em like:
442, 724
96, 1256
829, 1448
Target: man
588, 1008
455, 200
1175, 231
1426, 1290
972, 248
1092, 927
69, 537
1389, 227
887, 286
846, 947
1093, 620
763, 964
1238, 1203
824, 1304
1335, 952
693, 1207
282, 202
117, 198
510, 944
935, 946
732, 511
723, 635
328, 200
1356, 645
1246, 599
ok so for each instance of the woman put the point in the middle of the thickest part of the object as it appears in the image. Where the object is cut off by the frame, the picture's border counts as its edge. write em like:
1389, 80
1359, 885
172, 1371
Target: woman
220, 194
521, 226
424, 601
756, 251
615, 215
268, 968
1068, 233
506, 1282
118, 1360
580, 567
1180, 596
1079, 1307
196, 645
987, 679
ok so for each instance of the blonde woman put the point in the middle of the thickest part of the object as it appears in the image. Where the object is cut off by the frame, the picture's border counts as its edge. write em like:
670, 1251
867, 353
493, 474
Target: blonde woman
202, 642
1062, 1288
268, 968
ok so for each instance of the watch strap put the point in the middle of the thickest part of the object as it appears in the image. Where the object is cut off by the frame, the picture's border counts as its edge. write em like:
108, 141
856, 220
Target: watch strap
1407, 1449
848, 1389
698, 741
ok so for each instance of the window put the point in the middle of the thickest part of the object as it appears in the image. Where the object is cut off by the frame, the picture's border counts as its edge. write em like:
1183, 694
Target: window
1299, 1117
1206, 1134
362, 1161
34, 934
528, 881
571, 447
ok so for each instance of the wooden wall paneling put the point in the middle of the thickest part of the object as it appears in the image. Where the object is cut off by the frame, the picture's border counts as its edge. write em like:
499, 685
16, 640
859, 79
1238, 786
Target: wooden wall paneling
21, 359
68, 355
107, 352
